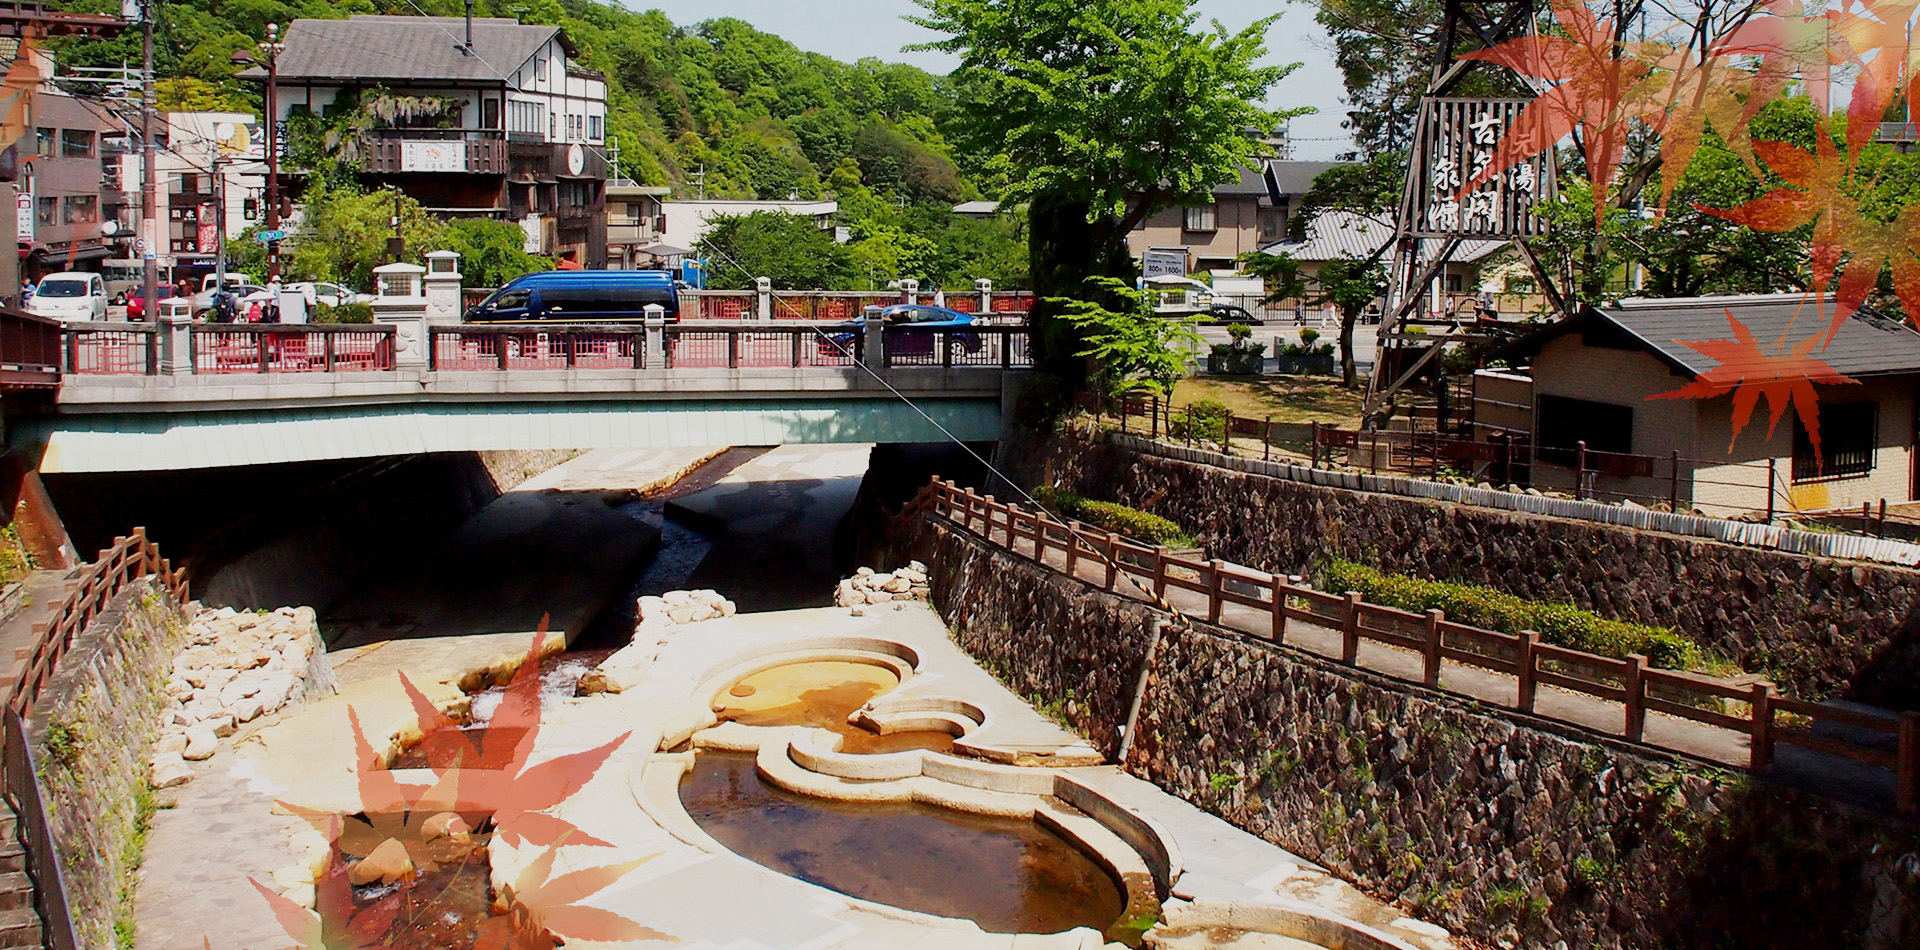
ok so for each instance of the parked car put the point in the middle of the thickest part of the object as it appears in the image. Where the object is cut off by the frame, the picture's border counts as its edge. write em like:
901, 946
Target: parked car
333, 295
137, 302
70, 296
912, 342
580, 296
1229, 314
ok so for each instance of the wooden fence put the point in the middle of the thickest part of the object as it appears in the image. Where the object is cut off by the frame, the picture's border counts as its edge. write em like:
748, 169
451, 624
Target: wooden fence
130, 559
1753, 709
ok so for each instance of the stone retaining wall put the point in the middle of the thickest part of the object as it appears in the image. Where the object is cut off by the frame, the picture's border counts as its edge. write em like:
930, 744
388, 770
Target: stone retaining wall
1507, 830
92, 730
1818, 627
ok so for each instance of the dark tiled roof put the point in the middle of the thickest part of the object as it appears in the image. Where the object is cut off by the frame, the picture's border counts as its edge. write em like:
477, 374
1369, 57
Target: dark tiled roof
1337, 234
1294, 178
420, 49
1866, 344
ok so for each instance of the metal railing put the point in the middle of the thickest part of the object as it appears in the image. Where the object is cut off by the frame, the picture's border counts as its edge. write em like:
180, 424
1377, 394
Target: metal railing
1270, 602
1004, 347
794, 346
291, 348
582, 346
30, 349
130, 559
113, 349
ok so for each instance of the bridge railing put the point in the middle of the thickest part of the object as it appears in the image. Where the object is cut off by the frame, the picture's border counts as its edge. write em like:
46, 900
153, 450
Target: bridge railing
1005, 347
1262, 605
572, 346
29, 349
111, 349
291, 348
793, 346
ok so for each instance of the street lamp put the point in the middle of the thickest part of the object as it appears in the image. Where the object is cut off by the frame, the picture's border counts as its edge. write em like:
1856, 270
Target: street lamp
269, 57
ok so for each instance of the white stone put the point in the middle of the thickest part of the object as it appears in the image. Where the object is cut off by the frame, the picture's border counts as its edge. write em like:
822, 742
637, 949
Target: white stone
169, 771
897, 585
864, 572
916, 566
247, 710
169, 743
727, 609
201, 743
222, 726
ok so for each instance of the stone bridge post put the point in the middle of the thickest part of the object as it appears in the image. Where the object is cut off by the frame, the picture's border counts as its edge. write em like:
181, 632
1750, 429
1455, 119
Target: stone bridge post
176, 344
656, 336
909, 290
400, 300
875, 345
763, 293
442, 290
984, 288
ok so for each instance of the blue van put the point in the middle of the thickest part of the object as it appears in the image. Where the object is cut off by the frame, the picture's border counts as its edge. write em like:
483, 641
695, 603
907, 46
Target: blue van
580, 296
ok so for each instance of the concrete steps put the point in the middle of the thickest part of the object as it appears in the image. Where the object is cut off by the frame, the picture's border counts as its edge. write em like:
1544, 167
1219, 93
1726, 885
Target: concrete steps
19, 919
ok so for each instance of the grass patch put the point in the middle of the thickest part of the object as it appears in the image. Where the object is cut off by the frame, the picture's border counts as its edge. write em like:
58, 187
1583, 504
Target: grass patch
1561, 624
1285, 398
1120, 519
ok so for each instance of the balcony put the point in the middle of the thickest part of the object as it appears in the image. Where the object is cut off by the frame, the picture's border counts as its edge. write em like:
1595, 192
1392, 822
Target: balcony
434, 151
631, 231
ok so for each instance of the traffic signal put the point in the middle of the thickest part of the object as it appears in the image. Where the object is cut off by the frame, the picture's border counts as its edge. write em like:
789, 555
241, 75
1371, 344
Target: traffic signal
250, 208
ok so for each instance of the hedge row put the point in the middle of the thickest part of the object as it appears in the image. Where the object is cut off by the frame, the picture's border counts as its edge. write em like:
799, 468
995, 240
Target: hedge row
1561, 624
1119, 519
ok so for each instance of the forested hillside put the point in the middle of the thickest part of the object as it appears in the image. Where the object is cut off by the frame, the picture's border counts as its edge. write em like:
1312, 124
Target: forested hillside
760, 118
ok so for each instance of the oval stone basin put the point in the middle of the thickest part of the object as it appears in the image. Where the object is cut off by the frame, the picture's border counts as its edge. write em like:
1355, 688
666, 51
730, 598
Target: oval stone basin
821, 693
1008, 875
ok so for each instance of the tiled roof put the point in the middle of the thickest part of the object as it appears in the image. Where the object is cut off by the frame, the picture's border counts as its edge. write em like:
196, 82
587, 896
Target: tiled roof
414, 48
1294, 178
1337, 234
1866, 344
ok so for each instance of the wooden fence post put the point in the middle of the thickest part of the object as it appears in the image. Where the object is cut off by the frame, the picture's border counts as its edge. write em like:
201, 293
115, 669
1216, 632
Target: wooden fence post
1279, 609
1430, 650
1673, 485
1636, 697
1160, 571
1013, 528
1226, 435
1266, 441
1214, 586
1350, 631
1153, 418
1760, 751
1313, 449
1907, 763
1528, 686
1113, 559
1073, 545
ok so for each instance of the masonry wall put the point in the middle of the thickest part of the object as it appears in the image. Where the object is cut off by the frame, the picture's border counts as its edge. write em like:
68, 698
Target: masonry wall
1507, 830
1819, 627
92, 732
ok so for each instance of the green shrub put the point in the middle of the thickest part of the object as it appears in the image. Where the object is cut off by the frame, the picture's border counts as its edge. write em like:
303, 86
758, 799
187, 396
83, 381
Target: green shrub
345, 313
1307, 336
1203, 421
1561, 624
1131, 522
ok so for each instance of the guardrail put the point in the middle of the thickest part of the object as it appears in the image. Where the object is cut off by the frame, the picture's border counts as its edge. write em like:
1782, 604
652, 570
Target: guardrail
734, 347
111, 349
291, 348
131, 558
1005, 347
557, 347
30, 352
1749, 708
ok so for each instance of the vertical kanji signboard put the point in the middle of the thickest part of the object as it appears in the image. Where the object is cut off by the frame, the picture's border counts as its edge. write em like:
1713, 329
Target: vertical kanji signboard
1461, 138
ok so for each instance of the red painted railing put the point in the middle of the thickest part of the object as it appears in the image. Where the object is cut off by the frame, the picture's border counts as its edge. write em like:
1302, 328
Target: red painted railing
111, 349
1005, 347
761, 346
554, 347
285, 348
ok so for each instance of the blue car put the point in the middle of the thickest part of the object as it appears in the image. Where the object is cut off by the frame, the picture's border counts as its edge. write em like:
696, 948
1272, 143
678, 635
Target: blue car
580, 296
905, 340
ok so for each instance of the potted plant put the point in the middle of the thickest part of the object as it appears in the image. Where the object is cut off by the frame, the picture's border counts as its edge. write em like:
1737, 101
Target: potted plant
1242, 357
1309, 357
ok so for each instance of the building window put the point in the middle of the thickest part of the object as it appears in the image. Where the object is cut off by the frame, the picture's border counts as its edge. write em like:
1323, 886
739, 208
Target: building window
1273, 225
1848, 434
596, 127
82, 209
76, 143
46, 211
490, 113
1202, 218
44, 142
1566, 422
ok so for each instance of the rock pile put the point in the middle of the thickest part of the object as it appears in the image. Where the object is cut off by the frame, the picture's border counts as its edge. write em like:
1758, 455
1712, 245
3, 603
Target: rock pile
653, 626
236, 668
867, 587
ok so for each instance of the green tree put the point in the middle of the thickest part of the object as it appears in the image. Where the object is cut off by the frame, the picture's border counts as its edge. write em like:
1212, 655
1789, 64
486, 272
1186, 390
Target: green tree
342, 235
788, 249
1097, 114
1349, 284
1131, 348
491, 252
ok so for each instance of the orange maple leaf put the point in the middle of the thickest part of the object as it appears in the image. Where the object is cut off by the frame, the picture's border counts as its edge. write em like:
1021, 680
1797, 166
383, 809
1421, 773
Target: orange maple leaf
538, 912
1748, 372
336, 926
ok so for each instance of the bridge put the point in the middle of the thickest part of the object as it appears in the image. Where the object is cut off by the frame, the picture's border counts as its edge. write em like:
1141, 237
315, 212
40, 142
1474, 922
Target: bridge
131, 397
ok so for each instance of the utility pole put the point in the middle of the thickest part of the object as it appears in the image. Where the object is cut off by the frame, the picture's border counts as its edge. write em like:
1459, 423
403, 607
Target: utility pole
219, 213
149, 191
272, 48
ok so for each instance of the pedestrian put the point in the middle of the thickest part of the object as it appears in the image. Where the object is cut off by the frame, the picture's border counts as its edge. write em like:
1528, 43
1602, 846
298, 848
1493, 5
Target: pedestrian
1489, 309
26, 290
253, 312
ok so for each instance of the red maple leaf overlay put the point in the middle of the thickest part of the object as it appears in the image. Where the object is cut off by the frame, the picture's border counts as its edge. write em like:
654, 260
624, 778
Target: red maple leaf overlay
1593, 76
540, 912
1748, 371
485, 780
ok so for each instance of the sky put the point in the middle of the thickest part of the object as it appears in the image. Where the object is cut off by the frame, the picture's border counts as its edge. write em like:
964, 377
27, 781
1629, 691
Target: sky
850, 29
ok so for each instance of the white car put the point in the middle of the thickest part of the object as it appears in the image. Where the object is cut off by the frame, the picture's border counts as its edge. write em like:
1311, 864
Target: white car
70, 296
333, 295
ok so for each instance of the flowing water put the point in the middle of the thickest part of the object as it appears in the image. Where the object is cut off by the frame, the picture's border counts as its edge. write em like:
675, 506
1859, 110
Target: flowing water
1008, 875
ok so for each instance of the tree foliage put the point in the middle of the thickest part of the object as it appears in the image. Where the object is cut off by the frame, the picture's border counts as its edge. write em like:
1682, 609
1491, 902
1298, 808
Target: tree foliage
1130, 347
1096, 114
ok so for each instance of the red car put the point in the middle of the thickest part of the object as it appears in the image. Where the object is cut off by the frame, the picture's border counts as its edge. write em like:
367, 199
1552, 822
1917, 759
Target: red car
137, 304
